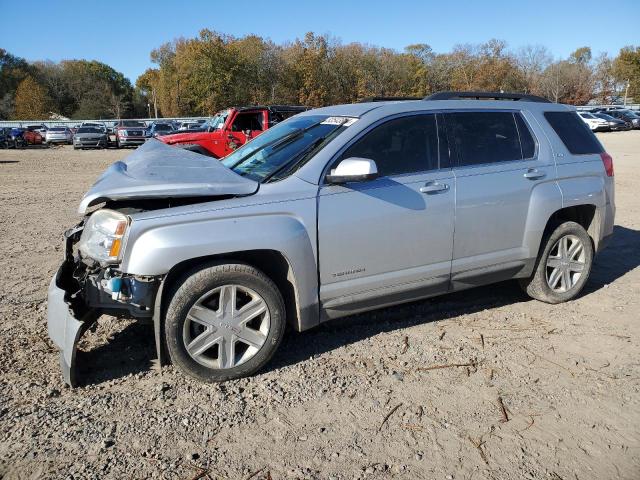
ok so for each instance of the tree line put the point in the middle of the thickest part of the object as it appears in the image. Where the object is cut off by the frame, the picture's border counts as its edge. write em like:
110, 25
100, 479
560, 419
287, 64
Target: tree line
201, 75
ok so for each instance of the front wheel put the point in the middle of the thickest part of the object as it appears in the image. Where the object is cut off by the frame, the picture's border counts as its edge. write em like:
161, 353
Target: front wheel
563, 266
223, 322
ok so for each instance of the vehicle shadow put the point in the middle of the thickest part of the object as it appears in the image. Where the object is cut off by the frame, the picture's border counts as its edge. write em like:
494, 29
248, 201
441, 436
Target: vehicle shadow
621, 256
128, 352
132, 350
9, 161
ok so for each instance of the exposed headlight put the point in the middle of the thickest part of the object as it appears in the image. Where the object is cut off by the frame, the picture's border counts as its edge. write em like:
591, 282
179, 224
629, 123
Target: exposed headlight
102, 236
122, 133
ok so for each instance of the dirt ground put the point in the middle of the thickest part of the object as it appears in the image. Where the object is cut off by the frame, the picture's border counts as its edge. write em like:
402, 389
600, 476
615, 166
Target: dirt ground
543, 392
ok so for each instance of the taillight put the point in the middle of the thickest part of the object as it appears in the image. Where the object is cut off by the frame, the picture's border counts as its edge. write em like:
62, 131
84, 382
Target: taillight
608, 163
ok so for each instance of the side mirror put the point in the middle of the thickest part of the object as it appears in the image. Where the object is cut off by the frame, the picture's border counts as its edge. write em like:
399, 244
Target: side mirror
353, 169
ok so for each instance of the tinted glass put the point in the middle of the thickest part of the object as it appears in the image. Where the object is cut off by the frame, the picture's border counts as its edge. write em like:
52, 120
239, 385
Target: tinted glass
573, 132
89, 130
484, 137
57, 129
527, 143
403, 145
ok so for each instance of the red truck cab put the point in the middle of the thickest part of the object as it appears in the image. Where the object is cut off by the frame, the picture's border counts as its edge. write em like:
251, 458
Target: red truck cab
230, 129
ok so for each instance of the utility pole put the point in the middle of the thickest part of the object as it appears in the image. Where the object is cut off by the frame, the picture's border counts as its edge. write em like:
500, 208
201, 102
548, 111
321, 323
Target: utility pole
626, 91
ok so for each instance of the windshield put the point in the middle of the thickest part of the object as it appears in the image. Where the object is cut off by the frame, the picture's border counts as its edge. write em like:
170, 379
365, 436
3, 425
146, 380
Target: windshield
163, 127
284, 148
217, 121
89, 130
57, 129
133, 124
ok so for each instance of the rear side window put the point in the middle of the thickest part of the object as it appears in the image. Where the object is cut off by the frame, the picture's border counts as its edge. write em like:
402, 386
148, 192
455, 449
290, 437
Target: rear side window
485, 137
402, 145
574, 133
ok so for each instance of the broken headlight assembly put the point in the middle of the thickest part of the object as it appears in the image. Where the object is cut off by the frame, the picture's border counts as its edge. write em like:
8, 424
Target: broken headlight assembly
103, 235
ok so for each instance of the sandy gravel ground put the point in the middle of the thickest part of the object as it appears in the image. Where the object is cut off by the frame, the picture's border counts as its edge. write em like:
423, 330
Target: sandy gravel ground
551, 392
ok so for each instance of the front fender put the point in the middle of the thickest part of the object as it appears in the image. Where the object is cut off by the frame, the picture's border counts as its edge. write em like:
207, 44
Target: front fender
156, 245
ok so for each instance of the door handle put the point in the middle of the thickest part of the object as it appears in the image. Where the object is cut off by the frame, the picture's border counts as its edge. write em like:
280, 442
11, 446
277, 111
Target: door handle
533, 174
434, 188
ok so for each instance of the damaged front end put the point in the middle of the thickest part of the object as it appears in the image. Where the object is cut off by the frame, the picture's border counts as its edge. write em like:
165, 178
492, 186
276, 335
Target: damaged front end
82, 290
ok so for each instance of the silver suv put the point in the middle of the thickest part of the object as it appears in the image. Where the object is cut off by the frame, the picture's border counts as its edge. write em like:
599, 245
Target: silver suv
334, 211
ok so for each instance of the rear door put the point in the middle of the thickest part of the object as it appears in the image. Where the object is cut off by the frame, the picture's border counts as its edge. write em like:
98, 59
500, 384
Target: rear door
390, 239
497, 166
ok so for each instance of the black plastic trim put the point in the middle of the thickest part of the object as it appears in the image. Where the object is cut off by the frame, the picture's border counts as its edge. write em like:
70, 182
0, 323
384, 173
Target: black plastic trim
522, 97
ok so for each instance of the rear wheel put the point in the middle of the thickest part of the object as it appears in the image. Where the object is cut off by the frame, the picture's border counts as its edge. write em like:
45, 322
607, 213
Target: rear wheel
224, 322
563, 266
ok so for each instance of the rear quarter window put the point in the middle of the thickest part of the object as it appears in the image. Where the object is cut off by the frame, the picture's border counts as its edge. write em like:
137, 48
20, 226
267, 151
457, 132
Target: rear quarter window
574, 133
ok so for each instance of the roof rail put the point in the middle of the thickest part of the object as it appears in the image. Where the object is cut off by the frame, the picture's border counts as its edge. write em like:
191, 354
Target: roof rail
486, 95
387, 99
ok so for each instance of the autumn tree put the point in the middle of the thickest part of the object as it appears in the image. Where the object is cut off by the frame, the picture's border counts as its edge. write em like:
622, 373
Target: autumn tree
31, 101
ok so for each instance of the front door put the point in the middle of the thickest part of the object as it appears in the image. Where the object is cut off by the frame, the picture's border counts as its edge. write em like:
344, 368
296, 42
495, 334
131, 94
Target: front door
244, 127
388, 240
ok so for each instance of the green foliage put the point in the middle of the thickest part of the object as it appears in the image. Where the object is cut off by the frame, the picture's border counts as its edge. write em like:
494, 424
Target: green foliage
627, 68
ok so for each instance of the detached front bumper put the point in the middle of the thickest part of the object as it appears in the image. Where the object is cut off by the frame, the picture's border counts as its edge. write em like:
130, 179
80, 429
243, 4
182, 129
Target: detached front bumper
65, 327
78, 295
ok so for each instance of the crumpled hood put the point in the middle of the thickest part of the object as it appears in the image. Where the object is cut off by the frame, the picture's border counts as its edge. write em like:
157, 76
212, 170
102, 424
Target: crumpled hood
157, 170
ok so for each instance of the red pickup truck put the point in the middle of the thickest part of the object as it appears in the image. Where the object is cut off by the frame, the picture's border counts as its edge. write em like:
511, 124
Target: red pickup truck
230, 129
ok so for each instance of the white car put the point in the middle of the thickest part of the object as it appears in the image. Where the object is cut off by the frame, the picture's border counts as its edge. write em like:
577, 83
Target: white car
59, 135
594, 123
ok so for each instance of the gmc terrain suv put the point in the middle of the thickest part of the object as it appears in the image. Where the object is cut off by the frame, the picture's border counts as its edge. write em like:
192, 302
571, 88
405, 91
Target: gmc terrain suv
334, 211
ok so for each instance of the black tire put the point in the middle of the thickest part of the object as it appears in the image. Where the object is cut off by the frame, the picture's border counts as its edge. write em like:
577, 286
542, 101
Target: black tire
198, 282
537, 285
118, 143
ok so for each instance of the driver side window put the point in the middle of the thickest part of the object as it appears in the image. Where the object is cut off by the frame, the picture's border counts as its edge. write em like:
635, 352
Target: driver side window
400, 146
247, 121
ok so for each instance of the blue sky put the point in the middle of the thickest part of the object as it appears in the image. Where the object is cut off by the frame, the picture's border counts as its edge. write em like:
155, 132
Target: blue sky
122, 33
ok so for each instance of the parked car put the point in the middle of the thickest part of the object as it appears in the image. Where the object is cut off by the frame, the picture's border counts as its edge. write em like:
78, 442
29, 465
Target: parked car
230, 129
130, 133
41, 129
158, 129
5, 137
627, 116
33, 136
594, 123
90, 136
334, 211
59, 135
17, 138
615, 124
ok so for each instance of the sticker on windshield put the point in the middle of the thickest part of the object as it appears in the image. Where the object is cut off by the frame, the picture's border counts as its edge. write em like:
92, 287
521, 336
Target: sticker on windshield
344, 121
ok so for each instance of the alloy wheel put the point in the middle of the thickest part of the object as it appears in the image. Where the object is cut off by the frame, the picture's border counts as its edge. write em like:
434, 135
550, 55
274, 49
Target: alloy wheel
226, 327
565, 263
